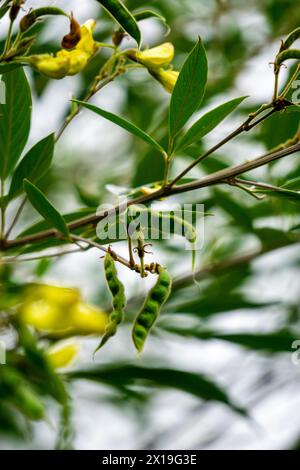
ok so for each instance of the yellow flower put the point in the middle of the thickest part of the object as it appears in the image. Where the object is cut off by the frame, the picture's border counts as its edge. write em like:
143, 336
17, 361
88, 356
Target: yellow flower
62, 354
154, 58
59, 312
87, 319
67, 62
77, 60
50, 66
87, 43
167, 78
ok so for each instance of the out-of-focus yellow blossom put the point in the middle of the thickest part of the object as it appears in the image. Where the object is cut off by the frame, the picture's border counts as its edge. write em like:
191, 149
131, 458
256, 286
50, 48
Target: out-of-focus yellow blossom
87, 319
62, 354
167, 78
59, 312
154, 58
67, 62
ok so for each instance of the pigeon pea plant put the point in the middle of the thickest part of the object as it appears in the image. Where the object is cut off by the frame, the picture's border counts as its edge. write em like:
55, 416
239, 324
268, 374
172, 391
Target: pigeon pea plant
42, 314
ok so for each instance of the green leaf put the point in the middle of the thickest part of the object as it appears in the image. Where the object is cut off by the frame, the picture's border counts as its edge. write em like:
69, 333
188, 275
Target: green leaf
145, 14
189, 89
128, 126
8, 67
45, 208
122, 15
208, 122
15, 117
281, 193
275, 342
33, 166
195, 384
69, 217
293, 184
219, 304
239, 212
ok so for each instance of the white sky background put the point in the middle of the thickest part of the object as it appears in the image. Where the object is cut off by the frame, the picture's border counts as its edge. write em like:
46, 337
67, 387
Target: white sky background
101, 426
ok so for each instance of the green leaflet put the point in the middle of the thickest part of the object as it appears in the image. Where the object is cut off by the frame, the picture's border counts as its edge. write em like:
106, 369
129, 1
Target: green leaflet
15, 117
207, 123
45, 208
121, 122
122, 15
33, 166
189, 89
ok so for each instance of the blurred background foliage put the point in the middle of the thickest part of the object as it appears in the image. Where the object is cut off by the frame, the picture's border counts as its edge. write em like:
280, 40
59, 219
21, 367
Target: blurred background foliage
219, 358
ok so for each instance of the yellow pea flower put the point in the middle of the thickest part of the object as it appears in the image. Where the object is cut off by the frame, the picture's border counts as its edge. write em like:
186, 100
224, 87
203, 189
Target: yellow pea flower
77, 60
67, 62
167, 78
155, 57
87, 319
62, 354
87, 43
49, 65
48, 308
60, 312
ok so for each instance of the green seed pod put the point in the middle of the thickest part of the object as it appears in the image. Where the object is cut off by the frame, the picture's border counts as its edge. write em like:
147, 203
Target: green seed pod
151, 308
287, 55
292, 37
29, 20
119, 300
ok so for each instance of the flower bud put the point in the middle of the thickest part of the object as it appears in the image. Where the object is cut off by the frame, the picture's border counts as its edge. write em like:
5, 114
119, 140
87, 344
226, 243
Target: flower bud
154, 58
167, 78
62, 354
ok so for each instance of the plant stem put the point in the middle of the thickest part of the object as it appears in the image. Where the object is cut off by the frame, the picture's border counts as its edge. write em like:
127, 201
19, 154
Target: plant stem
219, 177
116, 257
245, 127
8, 38
16, 217
290, 83
3, 207
99, 82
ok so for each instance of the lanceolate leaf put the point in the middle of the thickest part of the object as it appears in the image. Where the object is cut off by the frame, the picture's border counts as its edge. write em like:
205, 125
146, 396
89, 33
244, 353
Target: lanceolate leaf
145, 14
15, 117
5, 68
189, 89
45, 208
122, 15
281, 193
194, 384
208, 122
277, 341
33, 166
128, 126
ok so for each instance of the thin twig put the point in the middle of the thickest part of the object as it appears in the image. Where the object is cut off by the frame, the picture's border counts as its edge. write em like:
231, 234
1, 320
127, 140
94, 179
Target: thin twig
245, 127
91, 243
218, 177
16, 217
